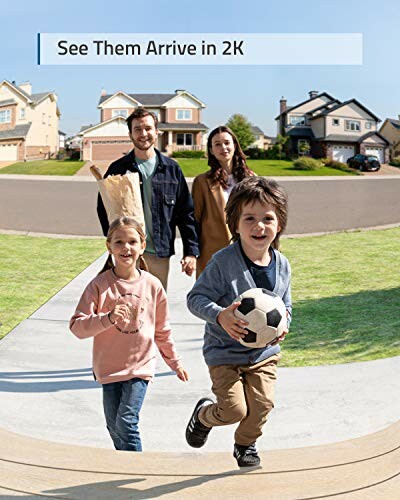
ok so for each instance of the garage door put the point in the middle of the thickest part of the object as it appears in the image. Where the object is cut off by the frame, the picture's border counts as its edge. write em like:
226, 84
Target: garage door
342, 153
8, 152
378, 152
110, 150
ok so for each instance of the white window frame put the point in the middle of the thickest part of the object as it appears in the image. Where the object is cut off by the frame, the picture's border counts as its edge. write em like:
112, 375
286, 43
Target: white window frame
352, 126
120, 112
297, 120
185, 135
186, 114
22, 113
7, 116
335, 124
368, 125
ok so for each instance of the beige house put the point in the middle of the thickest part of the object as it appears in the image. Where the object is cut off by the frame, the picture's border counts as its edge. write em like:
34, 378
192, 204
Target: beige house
330, 128
179, 117
391, 132
28, 123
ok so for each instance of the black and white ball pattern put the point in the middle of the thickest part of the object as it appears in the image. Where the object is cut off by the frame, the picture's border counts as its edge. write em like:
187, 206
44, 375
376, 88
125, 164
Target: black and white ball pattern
266, 314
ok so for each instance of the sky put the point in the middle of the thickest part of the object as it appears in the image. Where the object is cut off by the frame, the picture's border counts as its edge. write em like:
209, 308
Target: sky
250, 90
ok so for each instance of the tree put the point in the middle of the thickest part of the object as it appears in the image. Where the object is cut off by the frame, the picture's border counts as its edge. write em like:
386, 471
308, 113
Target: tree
242, 129
281, 140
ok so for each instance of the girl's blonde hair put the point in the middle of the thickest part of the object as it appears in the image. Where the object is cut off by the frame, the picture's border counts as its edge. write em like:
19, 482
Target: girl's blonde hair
124, 222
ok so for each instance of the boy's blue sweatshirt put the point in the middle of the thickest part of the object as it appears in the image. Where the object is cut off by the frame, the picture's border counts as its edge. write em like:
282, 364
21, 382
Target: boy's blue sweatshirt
225, 277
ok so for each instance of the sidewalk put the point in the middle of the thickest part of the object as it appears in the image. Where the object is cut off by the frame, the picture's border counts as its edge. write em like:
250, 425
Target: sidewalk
48, 391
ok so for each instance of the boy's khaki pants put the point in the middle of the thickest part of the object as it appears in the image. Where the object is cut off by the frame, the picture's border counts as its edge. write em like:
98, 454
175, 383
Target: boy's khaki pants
245, 394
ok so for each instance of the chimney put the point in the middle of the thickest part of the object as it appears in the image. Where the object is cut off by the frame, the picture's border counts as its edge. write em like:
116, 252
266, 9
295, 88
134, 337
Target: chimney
26, 87
313, 93
103, 92
282, 105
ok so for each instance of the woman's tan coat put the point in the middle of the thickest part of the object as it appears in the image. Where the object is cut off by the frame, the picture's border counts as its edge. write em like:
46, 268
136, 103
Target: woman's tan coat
209, 206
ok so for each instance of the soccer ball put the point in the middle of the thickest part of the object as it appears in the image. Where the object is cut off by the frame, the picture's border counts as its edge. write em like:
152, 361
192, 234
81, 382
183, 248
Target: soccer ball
265, 313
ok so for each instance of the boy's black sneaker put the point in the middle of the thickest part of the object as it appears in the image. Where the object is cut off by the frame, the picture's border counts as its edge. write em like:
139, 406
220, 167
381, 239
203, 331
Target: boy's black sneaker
246, 456
196, 432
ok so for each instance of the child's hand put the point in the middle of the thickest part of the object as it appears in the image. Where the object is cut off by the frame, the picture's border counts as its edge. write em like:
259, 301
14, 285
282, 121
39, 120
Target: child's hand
280, 339
121, 312
188, 264
182, 374
233, 326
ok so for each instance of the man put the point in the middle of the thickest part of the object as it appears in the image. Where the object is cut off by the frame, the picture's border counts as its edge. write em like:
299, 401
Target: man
167, 202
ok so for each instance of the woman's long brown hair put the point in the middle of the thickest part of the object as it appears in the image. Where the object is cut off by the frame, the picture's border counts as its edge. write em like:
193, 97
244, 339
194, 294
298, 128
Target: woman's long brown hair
218, 174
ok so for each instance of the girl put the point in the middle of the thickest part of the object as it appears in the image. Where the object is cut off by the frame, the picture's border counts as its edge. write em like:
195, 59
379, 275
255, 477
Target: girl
125, 310
211, 191
243, 378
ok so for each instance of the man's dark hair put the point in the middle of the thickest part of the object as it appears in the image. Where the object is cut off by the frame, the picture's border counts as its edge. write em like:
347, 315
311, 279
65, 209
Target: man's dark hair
140, 113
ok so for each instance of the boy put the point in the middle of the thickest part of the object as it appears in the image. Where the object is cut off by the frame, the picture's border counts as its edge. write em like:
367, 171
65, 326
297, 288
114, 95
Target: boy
243, 378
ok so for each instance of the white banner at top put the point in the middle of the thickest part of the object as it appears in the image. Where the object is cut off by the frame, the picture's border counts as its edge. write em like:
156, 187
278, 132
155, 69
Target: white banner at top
200, 48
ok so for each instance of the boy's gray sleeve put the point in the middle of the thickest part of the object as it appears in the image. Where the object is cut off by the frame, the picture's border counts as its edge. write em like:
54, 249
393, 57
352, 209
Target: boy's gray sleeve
208, 289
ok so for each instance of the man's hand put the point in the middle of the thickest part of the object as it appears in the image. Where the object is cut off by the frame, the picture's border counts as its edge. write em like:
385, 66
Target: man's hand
233, 326
188, 264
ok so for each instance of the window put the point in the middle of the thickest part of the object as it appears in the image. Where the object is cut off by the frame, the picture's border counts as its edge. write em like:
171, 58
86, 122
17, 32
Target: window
22, 114
184, 139
183, 114
120, 112
368, 125
353, 125
303, 147
335, 122
297, 120
5, 116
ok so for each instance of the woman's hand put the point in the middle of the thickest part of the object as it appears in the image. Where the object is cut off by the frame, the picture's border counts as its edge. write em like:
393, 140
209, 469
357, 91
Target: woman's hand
233, 326
182, 374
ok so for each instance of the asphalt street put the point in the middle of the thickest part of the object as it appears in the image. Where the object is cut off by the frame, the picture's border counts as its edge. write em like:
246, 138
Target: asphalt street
46, 204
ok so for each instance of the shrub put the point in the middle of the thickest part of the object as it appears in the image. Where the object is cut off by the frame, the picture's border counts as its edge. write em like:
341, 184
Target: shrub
337, 165
395, 163
188, 154
305, 163
254, 153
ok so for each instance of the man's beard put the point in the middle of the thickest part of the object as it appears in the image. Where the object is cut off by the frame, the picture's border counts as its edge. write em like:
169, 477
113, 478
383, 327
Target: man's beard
142, 147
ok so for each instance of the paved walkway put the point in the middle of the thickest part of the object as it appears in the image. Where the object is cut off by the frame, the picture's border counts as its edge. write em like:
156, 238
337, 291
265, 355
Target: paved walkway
48, 391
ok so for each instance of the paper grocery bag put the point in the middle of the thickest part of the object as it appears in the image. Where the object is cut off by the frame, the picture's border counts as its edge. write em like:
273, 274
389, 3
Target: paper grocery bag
121, 196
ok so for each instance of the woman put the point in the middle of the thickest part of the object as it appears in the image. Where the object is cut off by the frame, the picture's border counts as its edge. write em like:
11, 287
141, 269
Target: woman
211, 190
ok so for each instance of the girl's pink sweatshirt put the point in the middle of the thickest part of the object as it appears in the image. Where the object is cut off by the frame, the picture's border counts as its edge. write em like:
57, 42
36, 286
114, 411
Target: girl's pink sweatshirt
123, 351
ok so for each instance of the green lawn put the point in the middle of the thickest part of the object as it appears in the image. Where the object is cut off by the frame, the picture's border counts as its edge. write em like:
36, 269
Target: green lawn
34, 269
345, 288
270, 168
346, 293
44, 167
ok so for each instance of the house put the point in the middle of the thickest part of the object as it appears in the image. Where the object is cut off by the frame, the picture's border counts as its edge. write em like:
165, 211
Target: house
28, 122
330, 128
61, 139
390, 130
269, 141
179, 117
258, 137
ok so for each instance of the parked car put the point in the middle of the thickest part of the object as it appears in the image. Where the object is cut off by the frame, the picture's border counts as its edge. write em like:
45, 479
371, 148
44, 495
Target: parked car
363, 162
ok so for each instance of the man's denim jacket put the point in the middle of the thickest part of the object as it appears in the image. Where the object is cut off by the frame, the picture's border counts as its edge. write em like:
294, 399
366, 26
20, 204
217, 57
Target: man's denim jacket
172, 205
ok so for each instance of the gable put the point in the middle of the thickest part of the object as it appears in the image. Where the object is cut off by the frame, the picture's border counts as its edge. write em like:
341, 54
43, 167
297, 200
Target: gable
374, 138
183, 101
352, 110
309, 106
119, 100
114, 127
8, 92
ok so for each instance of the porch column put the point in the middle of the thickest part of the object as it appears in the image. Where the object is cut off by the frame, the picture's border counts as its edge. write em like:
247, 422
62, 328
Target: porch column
169, 137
